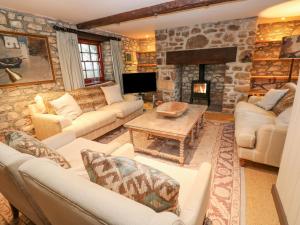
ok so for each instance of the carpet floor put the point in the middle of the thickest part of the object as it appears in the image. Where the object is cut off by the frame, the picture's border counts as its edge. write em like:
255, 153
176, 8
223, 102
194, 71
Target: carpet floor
215, 144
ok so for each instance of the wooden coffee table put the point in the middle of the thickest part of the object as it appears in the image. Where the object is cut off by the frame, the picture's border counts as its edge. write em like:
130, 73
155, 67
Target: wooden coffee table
187, 125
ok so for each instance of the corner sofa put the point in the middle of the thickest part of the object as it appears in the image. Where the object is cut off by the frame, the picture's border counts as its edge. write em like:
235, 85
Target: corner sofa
259, 134
50, 194
97, 119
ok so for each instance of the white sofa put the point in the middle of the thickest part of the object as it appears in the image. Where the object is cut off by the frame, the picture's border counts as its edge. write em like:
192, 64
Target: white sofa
92, 123
260, 137
68, 197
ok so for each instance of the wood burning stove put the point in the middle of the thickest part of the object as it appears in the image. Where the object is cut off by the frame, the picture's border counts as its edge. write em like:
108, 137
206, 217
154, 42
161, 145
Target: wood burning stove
200, 88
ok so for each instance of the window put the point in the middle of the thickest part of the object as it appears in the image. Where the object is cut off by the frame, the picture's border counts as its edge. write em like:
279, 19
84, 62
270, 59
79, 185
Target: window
91, 61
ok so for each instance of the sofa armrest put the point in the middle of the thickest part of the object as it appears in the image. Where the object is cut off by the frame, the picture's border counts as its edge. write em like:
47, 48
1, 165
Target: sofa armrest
270, 142
195, 207
47, 125
254, 99
59, 140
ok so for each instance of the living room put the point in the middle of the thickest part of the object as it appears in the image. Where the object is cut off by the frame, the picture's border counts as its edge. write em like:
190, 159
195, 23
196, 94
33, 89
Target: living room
149, 112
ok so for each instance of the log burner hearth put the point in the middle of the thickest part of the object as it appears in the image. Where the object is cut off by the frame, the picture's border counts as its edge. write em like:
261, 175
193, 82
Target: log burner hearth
200, 89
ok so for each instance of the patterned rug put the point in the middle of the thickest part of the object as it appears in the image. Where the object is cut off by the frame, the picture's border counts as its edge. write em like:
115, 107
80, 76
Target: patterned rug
215, 144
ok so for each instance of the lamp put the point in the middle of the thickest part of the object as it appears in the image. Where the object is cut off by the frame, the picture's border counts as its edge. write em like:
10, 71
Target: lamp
290, 49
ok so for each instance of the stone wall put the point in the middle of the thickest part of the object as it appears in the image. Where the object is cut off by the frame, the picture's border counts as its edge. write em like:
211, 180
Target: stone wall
14, 101
130, 45
240, 33
266, 62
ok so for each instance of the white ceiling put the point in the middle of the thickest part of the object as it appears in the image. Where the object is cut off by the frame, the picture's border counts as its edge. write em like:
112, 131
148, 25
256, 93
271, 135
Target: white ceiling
77, 11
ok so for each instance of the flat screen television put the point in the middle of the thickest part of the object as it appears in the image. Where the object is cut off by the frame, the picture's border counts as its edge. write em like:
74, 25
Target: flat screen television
139, 82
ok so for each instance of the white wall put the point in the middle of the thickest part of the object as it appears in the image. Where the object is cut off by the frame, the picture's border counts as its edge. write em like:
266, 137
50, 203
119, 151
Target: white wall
288, 182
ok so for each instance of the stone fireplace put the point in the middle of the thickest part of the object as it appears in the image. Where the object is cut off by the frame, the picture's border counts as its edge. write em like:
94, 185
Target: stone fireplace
229, 80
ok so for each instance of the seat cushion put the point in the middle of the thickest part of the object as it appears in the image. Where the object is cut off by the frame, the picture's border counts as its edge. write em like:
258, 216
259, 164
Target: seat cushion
249, 107
90, 121
134, 180
125, 108
186, 177
246, 125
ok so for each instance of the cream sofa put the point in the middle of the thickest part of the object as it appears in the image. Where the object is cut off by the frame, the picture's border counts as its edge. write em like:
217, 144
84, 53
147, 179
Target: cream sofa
260, 137
68, 197
92, 123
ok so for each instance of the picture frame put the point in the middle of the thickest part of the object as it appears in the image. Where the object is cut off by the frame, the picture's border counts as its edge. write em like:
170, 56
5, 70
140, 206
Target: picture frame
25, 59
129, 57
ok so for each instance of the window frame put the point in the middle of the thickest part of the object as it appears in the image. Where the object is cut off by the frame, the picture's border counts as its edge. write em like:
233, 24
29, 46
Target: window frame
93, 81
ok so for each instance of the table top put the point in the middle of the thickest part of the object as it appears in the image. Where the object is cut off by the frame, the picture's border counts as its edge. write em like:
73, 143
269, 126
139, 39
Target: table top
180, 126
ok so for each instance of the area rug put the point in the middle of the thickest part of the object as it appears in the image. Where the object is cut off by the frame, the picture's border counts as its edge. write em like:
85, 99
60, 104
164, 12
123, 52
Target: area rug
215, 144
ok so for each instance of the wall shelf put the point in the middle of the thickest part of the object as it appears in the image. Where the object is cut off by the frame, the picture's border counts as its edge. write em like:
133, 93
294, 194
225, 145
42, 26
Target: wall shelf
147, 65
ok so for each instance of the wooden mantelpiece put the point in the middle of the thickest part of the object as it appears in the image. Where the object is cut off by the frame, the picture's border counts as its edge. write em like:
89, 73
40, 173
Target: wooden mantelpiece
202, 56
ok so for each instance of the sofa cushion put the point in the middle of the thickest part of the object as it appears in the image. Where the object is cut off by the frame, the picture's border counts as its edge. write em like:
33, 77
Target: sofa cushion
49, 96
249, 107
29, 145
134, 180
271, 98
124, 108
97, 97
286, 102
66, 106
283, 118
82, 97
246, 125
112, 94
90, 121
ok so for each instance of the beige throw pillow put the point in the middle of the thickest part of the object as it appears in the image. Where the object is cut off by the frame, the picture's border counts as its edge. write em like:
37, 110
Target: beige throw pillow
66, 106
112, 94
133, 180
271, 98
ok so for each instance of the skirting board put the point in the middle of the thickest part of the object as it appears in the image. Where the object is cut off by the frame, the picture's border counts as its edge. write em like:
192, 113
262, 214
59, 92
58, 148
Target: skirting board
279, 207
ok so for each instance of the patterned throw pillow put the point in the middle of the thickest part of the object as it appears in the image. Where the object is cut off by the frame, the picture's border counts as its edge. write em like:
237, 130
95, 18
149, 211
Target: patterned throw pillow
26, 144
286, 102
134, 180
83, 99
97, 97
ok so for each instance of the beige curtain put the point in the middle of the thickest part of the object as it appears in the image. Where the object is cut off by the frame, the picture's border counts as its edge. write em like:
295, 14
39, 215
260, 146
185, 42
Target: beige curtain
69, 57
116, 52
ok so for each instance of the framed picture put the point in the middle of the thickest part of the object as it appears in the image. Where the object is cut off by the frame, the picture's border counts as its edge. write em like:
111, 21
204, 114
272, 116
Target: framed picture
24, 59
290, 48
129, 57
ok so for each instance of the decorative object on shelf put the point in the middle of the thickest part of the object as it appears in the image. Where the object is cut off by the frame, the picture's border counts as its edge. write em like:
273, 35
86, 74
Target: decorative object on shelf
290, 49
24, 59
172, 109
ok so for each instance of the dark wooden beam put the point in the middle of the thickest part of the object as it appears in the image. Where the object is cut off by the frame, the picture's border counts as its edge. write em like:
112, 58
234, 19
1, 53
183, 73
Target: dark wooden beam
155, 10
202, 56
86, 35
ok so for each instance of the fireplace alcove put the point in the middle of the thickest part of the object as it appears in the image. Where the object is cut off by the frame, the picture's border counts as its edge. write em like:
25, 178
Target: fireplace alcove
202, 74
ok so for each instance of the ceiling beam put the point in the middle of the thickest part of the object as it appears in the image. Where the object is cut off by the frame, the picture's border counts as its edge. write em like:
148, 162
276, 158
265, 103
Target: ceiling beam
155, 10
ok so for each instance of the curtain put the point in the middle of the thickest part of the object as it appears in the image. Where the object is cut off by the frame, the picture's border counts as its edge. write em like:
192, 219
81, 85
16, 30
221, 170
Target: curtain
69, 57
116, 52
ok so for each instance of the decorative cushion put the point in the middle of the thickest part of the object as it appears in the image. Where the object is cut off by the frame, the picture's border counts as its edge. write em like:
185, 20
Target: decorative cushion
271, 98
83, 99
66, 106
134, 180
97, 97
40, 104
49, 96
112, 94
286, 102
29, 145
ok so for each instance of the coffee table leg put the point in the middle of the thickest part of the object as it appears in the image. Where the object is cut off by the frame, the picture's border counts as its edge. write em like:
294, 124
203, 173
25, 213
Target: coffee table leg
131, 137
181, 152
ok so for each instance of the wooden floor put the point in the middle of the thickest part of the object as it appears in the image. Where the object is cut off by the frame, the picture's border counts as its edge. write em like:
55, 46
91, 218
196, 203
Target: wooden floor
218, 116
